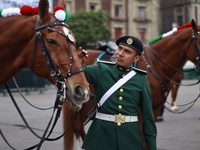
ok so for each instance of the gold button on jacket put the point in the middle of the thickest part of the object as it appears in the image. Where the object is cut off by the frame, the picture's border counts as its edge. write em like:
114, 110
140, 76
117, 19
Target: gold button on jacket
120, 98
121, 90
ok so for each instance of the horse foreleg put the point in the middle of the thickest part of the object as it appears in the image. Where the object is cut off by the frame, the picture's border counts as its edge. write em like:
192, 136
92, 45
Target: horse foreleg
158, 112
75, 120
174, 90
84, 113
78, 126
141, 131
67, 126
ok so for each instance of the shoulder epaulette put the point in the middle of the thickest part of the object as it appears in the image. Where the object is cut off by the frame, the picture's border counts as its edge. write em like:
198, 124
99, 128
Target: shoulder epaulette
139, 70
106, 62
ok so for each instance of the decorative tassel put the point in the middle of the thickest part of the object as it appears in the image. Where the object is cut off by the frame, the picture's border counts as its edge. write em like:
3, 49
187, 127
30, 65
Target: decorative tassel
170, 32
184, 26
59, 12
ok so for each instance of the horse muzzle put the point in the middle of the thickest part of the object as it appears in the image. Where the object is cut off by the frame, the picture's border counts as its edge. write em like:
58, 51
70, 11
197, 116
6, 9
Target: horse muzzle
77, 95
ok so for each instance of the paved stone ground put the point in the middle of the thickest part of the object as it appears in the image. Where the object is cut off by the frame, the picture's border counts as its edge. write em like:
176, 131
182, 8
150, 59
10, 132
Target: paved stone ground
177, 132
181, 131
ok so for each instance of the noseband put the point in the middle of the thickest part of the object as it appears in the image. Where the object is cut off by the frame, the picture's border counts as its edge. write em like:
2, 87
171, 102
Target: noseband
55, 72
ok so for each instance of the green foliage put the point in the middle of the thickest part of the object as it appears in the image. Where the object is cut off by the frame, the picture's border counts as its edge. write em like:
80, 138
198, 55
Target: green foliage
89, 26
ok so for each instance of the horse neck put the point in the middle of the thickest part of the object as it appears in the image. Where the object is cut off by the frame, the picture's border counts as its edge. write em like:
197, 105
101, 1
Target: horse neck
170, 51
17, 33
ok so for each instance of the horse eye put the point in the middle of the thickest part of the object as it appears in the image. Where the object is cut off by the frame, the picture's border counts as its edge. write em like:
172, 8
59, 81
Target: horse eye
52, 41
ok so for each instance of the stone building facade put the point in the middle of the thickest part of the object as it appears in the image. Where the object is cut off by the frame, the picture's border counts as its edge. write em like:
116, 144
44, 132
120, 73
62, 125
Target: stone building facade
145, 19
125, 17
176, 13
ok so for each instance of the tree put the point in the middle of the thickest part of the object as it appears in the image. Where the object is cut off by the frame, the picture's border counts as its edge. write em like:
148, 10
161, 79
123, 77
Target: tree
89, 26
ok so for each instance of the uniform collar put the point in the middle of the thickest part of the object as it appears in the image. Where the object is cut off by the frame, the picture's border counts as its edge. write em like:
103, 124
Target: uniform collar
124, 69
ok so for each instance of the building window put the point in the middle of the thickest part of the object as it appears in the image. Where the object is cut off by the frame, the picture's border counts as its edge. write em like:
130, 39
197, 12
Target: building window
69, 7
118, 33
180, 20
118, 11
196, 13
141, 13
93, 6
186, 14
142, 33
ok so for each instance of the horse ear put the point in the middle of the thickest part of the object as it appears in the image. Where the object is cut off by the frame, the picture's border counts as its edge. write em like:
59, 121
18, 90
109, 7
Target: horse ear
62, 3
43, 8
194, 26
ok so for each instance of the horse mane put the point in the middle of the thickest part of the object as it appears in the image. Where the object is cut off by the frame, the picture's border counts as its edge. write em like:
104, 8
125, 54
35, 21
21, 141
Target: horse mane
13, 18
59, 12
174, 31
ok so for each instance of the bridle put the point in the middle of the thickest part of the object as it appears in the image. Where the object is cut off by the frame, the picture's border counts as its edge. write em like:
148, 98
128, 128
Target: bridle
55, 72
149, 49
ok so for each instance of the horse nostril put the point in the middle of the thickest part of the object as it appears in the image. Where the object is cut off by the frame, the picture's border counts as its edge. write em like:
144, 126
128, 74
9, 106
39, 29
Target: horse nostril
81, 94
79, 91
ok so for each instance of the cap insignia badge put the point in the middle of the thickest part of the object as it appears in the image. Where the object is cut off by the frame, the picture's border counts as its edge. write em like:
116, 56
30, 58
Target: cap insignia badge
129, 41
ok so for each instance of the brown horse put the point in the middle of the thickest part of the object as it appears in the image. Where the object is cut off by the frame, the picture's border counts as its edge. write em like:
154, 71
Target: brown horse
161, 60
53, 56
45, 44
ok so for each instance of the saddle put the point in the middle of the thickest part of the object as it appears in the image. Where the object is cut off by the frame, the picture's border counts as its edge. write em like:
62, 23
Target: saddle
110, 47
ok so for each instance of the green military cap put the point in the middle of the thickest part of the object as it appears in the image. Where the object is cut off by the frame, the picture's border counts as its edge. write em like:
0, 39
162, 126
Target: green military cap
131, 42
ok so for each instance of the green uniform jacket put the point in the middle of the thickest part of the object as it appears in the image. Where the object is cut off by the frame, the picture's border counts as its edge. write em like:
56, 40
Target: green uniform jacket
134, 94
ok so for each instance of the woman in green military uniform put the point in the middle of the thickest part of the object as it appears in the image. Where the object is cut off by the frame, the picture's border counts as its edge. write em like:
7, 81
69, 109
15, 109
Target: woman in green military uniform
115, 126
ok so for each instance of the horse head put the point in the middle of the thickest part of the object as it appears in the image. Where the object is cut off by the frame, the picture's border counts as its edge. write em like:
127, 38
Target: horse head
57, 43
41, 40
196, 41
